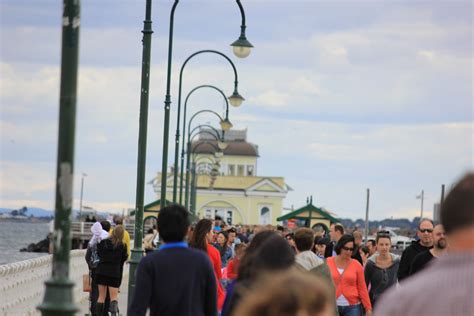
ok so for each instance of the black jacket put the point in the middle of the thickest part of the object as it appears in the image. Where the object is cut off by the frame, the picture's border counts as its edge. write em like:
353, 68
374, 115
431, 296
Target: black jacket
175, 281
111, 258
420, 261
407, 258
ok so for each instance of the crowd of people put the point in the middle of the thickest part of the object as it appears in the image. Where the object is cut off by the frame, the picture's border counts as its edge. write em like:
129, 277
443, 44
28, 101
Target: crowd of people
211, 268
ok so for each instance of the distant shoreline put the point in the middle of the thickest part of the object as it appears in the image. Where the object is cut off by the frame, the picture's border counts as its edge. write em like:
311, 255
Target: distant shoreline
26, 220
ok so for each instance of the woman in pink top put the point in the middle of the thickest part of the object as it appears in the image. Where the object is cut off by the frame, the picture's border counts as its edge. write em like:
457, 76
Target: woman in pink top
349, 281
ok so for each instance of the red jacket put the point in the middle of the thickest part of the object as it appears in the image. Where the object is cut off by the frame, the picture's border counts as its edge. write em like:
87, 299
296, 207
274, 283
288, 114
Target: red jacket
352, 284
233, 268
215, 257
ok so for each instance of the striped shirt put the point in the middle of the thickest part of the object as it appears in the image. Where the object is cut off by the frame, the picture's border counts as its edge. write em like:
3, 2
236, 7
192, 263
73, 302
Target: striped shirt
444, 287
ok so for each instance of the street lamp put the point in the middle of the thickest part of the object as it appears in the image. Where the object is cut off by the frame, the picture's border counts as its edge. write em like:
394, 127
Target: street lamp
241, 46
224, 122
136, 252
82, 191
189, 152
225, 125
213, 174
58, 293
235, 99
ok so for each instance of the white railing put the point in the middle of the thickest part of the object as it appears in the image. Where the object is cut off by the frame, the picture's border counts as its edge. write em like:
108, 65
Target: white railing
22, 283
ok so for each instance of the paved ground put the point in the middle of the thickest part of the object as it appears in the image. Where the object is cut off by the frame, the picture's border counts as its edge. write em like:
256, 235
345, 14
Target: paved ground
123, 297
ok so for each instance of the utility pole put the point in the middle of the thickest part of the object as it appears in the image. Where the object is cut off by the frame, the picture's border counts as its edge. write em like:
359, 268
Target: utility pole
367, 216
422, 197
82, 191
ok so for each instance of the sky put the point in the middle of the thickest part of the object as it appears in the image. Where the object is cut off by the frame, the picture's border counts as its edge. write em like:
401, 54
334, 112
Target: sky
341, 96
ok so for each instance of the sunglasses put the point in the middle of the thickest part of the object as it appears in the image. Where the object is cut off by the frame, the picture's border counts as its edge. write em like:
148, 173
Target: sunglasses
426, 230
347, 248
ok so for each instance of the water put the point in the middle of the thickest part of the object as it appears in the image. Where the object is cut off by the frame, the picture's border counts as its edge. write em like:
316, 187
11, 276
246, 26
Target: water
15, 235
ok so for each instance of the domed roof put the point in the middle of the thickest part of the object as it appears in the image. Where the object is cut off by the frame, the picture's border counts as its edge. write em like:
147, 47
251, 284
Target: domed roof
234, 148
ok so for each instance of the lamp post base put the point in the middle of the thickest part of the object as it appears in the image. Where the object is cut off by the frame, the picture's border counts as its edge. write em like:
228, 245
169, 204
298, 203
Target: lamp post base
58, 298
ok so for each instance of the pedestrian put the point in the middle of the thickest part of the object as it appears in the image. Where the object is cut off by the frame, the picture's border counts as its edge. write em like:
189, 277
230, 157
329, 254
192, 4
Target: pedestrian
308, 261
272, 256
357, 244
371, 245
99, 232
174, 280
439, 248
224, 250
244, 267
126, 236
425, 242
335, 233
381, 268
364, 254
320, 244
290, 238
348, 278
148, 245
287, 293
444, 287
202, 239
233, 265
113, 254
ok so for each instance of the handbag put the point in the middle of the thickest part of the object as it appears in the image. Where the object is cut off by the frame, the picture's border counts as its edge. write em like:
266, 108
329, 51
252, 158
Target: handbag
86, 282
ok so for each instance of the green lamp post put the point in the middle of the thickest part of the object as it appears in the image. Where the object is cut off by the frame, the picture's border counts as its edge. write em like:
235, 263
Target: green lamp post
224, 123
212, 175
225, 126
236, 46
235, 99
221, 145
58, 297
136, 252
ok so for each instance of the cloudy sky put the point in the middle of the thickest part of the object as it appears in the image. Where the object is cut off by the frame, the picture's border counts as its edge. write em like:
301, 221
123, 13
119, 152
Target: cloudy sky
341, 96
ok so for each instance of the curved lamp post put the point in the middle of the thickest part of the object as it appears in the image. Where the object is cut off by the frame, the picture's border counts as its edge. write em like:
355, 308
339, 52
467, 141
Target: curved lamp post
213, 174
225, 125
235, 100
221, 146
241, 45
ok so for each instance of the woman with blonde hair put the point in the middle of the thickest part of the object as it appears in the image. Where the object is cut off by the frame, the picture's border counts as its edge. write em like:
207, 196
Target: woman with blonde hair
112, 253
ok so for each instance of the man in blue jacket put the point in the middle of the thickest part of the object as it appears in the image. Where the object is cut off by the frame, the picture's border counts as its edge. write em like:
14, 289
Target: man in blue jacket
175, 280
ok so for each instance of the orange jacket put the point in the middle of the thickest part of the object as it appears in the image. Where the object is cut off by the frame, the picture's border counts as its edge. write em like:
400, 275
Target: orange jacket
215, 258
352, 284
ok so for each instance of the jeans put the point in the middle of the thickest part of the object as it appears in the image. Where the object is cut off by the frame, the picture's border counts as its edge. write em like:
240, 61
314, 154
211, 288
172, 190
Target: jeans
351, 310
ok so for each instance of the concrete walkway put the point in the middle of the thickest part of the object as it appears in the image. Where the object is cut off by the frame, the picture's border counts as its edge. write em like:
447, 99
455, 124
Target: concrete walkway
122, 299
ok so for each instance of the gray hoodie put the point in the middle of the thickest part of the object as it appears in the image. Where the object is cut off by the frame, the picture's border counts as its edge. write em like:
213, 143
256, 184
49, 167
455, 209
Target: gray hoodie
380, 279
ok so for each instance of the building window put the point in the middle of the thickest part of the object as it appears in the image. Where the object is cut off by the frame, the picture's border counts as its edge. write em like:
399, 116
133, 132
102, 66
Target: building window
231, 170
250, 170
265, 216
208, 214
240, 170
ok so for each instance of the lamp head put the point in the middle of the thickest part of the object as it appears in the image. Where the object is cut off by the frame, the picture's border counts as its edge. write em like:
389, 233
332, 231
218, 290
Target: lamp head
226, 125
222, 145
241, 47
236, 99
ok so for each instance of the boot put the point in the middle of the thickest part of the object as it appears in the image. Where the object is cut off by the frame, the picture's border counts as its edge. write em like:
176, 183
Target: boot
113, 309
99, 309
